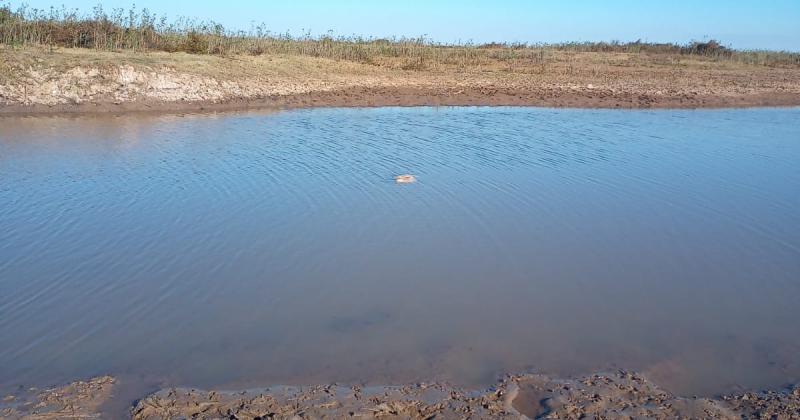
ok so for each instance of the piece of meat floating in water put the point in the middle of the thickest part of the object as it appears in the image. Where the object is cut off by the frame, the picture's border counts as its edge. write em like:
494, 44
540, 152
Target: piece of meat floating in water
405, 179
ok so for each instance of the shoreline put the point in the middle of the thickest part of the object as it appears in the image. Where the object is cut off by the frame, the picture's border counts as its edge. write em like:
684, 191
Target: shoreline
414, 97
37, 81
619, 393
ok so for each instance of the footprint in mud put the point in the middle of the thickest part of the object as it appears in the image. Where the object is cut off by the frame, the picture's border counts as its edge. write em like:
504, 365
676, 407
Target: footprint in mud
532, 402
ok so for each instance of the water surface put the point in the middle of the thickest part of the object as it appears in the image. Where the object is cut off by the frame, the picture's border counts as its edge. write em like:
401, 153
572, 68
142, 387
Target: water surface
244, 249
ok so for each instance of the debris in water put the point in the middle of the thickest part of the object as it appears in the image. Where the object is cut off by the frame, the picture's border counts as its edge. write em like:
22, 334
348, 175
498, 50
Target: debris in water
405, 179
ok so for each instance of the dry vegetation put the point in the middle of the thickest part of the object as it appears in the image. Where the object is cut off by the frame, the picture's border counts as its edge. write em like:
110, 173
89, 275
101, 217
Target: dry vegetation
144, 31
62, 57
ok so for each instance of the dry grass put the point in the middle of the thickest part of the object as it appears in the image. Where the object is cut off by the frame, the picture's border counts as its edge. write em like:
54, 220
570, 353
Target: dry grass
563, 68
141, 31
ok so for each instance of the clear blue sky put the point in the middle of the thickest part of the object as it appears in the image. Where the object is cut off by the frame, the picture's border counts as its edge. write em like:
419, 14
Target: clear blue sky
772, 24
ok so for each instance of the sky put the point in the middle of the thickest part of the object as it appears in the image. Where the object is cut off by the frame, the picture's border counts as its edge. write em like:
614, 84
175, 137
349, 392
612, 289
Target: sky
746, 24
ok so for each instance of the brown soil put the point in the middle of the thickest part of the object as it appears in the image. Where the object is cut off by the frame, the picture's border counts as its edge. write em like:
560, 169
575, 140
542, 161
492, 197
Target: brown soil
617, 395
378, 97
78, 400
34, 81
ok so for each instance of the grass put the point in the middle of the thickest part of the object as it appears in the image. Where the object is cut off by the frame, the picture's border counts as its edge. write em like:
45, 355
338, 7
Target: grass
141, 31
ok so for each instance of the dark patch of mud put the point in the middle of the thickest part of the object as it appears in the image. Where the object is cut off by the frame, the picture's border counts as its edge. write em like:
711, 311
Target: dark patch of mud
616, 395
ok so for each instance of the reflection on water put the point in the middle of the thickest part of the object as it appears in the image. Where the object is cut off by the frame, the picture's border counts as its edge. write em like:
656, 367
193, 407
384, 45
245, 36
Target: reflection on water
243, 249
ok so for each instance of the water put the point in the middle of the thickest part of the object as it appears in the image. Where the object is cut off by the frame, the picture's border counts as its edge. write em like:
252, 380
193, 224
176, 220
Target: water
255, 248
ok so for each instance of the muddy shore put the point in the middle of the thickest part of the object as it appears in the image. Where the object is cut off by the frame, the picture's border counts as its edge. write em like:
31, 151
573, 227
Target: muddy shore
37, 81
619, 394
406, 97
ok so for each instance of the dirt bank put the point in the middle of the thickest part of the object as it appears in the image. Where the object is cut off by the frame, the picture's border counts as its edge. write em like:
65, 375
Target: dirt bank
34, 81
616, 395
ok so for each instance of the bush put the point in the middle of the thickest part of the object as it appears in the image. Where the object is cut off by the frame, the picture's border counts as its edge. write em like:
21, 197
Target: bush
194, 44
5, 15
142, 31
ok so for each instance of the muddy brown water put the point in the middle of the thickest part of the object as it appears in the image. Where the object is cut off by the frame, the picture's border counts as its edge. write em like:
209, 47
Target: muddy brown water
245, 249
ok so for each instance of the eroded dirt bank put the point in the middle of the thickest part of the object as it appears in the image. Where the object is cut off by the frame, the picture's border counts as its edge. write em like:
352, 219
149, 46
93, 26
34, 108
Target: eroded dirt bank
616, 395
34, 81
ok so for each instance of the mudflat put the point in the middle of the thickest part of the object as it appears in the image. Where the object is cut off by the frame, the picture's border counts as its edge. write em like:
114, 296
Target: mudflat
620, 394
37, 80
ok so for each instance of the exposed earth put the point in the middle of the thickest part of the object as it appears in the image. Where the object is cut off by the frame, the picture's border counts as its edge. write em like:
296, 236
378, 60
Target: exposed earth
37, 80
614, 395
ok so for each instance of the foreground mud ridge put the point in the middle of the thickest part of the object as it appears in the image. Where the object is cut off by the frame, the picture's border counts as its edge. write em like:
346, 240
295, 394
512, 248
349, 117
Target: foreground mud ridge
37, 79
616, 395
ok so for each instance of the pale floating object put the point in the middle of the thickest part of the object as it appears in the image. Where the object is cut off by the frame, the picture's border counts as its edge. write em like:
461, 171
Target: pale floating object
405, 179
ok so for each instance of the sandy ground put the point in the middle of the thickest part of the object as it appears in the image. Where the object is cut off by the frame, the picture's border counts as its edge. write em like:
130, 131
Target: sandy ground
617, 395
34, 80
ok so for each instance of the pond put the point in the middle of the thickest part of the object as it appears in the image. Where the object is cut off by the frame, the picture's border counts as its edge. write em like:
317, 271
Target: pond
256, 248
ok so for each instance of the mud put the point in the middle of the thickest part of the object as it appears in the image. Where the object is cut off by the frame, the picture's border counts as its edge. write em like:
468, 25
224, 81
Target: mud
619, 394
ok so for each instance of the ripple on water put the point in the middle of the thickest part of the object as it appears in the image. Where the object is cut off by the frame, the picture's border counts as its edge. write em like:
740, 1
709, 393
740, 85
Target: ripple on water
275, 248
